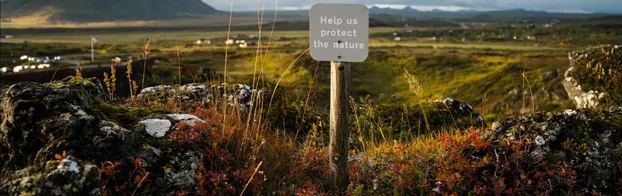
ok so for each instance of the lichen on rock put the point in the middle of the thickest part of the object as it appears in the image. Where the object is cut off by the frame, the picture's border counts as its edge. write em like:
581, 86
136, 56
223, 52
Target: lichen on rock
41, 120
594, 79
53, 110
156, 127
160, 126
192, 95
584, 139
68, 176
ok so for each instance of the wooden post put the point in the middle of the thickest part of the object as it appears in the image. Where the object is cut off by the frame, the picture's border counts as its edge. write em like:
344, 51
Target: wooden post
92, 52
339, 132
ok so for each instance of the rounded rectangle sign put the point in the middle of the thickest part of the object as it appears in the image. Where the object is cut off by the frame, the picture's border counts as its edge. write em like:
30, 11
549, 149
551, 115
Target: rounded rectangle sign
339, 32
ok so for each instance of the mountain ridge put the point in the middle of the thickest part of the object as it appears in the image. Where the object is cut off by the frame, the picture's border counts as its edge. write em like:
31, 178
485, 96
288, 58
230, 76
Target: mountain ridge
499, 14
103, 10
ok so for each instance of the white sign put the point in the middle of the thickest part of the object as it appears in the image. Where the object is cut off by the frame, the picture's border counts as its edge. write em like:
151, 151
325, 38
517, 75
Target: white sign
339, 32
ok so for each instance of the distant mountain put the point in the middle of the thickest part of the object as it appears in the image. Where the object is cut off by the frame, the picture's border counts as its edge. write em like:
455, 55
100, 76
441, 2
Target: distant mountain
516, 14
103, 10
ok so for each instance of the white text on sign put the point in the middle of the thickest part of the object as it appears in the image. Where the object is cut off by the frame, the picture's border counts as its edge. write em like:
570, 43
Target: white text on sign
337, 21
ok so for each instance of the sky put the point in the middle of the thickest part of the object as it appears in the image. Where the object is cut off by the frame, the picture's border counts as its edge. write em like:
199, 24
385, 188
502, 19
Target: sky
568, 6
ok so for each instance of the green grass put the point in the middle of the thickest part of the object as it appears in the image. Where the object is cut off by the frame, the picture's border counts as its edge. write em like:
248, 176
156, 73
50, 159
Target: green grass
487, 76
508, 46
482, 78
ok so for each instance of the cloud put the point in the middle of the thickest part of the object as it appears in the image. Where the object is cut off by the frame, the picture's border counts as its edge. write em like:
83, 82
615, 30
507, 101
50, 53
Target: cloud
602, 6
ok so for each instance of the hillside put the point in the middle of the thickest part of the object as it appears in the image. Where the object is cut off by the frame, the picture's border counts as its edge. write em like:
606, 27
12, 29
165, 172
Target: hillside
499, 15
102, 10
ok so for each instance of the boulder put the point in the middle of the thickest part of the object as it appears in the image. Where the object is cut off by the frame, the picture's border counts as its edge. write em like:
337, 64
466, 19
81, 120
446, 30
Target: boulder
67, 176
68, 117
594, 79
589, 141
183, 174
192, 95
39, 119
582, 99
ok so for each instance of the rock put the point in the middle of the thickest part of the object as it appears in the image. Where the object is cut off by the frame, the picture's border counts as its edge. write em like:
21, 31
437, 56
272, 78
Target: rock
37, 116
589, 141
582, 99
182, 176
166, 93
156, 127
159, 126
68, 176
69, 117
40, 120
549, 75
241, 95
457, 108
114, 129
594, 78
192, 95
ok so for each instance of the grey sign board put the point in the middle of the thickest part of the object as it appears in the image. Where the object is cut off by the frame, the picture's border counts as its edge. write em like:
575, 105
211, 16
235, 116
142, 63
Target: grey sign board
339, 32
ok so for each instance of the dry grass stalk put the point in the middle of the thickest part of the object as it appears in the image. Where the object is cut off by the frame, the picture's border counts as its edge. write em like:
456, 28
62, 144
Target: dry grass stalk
79, 72
108, 85
129, 78
146, 55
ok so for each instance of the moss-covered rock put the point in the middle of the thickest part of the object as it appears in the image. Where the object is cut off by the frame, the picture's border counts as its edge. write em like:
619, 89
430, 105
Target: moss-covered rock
193, 95
594, 79
42, 120
587, 140
41, 116
126, 117
68, 176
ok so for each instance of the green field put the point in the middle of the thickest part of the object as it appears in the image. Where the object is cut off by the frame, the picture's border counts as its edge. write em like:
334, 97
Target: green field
482, 66
181, 36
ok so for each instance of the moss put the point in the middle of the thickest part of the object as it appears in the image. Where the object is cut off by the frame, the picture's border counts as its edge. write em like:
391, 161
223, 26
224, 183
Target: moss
120, 114
139, 127
162, 143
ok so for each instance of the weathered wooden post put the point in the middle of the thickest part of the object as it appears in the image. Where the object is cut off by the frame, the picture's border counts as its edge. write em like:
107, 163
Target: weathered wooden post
339, 34
339, 131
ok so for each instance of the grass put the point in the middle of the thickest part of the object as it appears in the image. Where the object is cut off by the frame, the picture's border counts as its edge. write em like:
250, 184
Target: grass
510, 46
481, 77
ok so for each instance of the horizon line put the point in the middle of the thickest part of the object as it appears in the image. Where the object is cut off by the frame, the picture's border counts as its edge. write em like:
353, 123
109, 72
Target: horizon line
429, 8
